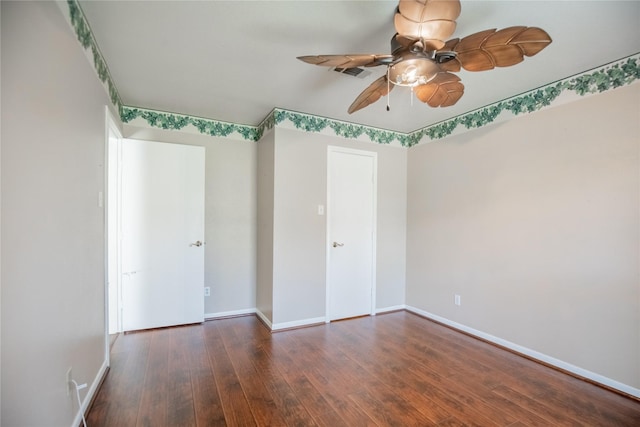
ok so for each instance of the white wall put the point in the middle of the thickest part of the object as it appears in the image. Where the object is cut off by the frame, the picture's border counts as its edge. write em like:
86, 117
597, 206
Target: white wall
535, 222
230, 216
299, 251
53, 135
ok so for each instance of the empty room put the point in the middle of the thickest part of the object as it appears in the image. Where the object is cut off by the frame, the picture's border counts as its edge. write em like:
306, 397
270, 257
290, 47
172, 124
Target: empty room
272, 213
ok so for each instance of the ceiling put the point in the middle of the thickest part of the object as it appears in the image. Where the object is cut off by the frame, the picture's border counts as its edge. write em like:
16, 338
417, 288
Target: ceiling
234, 61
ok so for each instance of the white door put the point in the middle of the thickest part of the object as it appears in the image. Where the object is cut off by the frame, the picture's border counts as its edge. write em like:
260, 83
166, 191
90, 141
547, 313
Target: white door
162, 234
351, 232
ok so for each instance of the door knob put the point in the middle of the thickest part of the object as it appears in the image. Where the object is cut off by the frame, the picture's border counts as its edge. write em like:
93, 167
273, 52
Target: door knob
198, 244
336, 244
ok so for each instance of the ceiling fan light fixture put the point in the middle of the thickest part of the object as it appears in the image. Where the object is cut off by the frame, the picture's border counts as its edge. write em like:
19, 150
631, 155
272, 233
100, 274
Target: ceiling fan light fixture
423, 60
413, 71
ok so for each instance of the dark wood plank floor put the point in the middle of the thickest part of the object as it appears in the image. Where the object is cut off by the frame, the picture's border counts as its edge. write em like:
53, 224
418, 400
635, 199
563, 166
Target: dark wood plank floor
392, 369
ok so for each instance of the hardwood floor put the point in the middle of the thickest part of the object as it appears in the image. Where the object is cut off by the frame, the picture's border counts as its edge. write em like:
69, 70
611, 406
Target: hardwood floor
391, 369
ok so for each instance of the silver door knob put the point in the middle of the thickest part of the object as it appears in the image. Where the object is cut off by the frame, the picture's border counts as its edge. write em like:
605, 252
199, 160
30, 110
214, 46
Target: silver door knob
198, 244
336, 244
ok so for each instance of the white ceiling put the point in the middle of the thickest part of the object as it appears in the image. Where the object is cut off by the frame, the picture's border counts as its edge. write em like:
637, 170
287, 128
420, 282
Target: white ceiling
235, 61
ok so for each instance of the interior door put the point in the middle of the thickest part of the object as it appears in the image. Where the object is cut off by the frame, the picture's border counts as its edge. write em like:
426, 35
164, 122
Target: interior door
351, 232
162, 234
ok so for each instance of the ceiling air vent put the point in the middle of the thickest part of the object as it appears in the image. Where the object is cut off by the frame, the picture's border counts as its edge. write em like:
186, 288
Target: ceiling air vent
355, 72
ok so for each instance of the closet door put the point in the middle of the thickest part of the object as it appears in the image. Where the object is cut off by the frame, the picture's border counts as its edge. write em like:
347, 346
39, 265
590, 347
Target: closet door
351, 217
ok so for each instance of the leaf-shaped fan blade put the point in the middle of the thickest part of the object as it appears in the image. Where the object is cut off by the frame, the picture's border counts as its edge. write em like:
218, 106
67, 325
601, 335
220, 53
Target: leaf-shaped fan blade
443, 91
431, 21
490, 48
380, 87
345, 61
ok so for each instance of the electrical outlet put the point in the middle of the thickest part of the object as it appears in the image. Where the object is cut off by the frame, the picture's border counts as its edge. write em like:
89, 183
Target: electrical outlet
69, 383
457, 299
207, 291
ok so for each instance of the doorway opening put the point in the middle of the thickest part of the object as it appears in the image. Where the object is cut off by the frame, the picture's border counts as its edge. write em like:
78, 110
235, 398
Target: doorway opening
113, 309
154, 234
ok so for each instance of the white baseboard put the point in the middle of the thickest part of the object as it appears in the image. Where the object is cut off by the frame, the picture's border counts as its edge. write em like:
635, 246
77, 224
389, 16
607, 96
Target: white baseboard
221, 314
391, 308
288, 325
298, 323
532, 353
91, 391
264, 319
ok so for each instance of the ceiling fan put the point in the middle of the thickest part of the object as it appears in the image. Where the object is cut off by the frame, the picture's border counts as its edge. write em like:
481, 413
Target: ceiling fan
422, 60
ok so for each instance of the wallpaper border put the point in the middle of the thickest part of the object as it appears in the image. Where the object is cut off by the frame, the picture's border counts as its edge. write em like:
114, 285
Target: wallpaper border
175, 121
85, 37
609, 76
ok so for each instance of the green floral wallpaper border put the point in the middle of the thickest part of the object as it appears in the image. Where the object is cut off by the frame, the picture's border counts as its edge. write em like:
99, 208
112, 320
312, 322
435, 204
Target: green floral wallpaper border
607, 77
310, 123
611, 76
173, 121
85, 37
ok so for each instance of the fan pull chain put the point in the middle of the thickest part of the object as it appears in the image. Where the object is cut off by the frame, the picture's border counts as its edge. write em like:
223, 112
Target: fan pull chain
388, 90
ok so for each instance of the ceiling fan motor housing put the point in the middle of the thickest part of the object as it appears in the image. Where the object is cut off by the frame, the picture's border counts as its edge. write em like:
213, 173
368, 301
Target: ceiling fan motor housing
412, 65
412, 69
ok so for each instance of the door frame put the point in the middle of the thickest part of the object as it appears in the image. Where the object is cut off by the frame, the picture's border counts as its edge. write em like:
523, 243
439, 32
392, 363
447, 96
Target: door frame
108, 198
331, 149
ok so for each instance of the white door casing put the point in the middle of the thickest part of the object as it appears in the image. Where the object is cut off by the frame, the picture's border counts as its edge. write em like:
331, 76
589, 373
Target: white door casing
351, 232
114, 215
162, 223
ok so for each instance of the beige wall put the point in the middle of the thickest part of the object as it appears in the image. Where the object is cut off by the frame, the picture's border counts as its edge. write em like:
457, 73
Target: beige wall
230, 216
535, 222
299, 252
264, 282
265, 242
53, 134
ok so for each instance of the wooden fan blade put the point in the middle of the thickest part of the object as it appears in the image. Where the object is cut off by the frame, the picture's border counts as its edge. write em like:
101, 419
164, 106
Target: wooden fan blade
345, 61
430, 21
533, 40
380, 87
490, 48
443, 91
